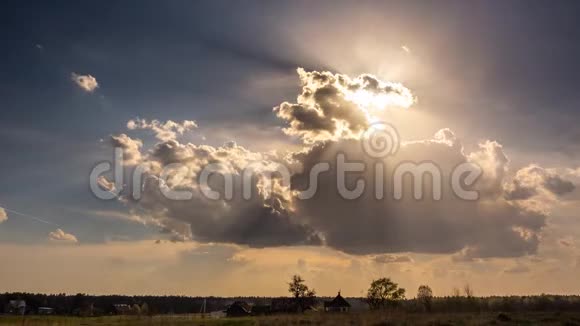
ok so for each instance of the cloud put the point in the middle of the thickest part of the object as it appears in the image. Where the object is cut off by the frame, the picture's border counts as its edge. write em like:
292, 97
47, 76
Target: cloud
566, 242
489, 227
87, 83
333, 106
492, 159
263, 220
517, 269
3, 215
390, 259
62, 237
131, 148
330, 114
105, 184
557, 185
535, 180
130, 217
163, 131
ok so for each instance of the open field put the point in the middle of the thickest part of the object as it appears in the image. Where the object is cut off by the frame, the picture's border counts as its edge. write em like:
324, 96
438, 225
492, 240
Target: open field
551, 318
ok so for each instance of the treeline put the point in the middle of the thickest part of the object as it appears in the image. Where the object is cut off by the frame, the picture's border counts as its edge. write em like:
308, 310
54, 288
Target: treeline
495, 304
91, 305
83, 304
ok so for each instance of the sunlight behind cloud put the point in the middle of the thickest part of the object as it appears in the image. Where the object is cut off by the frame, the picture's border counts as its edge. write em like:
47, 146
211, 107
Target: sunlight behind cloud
373, 103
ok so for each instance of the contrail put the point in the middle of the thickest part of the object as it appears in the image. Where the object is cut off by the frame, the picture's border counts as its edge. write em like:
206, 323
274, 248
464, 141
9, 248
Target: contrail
38, 219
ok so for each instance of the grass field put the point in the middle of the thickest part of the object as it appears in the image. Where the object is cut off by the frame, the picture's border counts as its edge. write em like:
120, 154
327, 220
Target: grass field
377, 319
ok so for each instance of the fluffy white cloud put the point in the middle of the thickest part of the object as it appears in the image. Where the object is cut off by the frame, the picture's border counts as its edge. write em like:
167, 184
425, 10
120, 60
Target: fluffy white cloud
105, 184
163, 131
62, 237
534, 180
131, 148
334, 106
492, 159
3, 215
262, 220
538, 188
87, 83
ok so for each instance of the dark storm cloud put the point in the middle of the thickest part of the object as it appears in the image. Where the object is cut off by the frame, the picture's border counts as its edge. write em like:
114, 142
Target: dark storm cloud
558, 186
488, 227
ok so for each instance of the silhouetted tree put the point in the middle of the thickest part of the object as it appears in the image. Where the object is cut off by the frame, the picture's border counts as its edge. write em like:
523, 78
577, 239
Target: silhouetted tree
384, 292
425, 296
468, 291
302, 294
78, 303
455, 292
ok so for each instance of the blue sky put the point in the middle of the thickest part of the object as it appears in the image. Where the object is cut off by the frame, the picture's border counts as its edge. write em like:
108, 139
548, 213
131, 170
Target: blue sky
503, 71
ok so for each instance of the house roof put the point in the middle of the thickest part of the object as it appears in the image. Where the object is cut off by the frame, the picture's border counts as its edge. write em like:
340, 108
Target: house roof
239, 307
337, 302
17, 303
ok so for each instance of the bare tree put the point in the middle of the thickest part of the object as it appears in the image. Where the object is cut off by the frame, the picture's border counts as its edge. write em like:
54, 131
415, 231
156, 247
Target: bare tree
455, 292
468, 291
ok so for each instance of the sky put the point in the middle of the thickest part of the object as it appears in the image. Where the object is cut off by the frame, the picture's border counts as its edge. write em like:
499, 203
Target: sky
492, 84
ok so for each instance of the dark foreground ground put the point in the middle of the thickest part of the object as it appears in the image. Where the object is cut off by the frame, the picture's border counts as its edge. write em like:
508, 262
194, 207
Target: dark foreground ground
384, 318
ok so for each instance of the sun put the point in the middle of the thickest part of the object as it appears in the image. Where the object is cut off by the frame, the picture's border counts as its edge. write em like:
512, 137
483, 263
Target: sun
374, 104
377, 101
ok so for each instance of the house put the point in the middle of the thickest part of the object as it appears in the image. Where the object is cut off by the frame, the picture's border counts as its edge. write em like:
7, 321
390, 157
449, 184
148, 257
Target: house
238, 309
17, 307
45, 311
122, 309
338, 304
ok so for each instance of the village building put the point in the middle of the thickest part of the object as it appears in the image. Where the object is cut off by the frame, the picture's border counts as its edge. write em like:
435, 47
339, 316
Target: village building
16, 307
238, 309
338, 304
45, 311
122, 309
